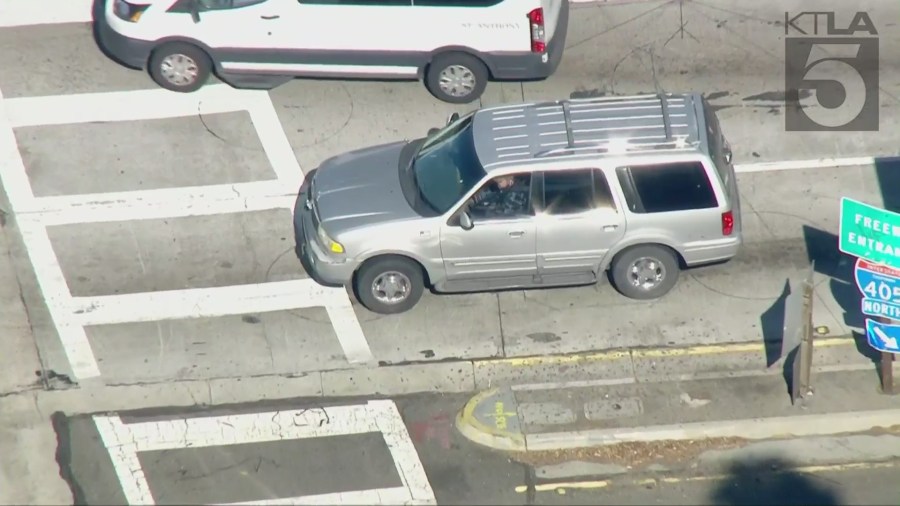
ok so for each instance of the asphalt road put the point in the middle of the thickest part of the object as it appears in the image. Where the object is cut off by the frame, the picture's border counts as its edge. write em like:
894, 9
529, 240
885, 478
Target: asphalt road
361, 447
160, 248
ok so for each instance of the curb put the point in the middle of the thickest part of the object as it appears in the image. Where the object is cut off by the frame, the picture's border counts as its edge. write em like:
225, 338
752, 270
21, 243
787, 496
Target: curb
474, 422
470, 424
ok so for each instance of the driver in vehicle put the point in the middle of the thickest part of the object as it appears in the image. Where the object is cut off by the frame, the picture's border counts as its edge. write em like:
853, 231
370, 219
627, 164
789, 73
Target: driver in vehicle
505, 196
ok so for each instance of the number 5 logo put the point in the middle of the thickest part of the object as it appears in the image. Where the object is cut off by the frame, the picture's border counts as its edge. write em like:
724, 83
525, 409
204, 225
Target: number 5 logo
840, 76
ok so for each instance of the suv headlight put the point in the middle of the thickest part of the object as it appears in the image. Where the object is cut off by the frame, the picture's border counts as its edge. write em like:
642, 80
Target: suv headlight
329, 243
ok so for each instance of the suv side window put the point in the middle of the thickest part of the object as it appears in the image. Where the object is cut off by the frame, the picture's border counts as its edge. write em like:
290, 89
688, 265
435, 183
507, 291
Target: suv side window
504, 197
715, 138
218, 5
576, 191
456, 3
373, 3
667, 187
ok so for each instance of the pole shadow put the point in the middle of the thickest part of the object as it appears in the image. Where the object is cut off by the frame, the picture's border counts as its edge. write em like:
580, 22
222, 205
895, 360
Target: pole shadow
770, 481
771, 323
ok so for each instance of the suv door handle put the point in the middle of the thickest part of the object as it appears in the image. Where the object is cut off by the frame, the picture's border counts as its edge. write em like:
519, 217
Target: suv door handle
517, 233
270, 17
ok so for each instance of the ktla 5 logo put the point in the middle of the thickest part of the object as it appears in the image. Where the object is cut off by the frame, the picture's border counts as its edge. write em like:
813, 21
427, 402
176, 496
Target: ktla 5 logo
836, 67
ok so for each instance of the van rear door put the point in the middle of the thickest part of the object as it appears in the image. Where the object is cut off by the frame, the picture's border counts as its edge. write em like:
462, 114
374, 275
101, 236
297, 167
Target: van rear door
551, 16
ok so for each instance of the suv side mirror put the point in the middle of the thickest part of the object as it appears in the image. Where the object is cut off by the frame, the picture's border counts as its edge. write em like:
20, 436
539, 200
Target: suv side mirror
453, 117
465, 221
432, 131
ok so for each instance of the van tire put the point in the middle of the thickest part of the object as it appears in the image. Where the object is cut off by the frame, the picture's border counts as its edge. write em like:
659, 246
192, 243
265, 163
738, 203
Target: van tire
407, 272
469, 69
656, 258
198, 62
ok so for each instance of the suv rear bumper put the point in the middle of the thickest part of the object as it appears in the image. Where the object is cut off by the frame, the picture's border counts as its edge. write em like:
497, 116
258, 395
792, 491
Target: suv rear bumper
130, 52
714, 251
527, 66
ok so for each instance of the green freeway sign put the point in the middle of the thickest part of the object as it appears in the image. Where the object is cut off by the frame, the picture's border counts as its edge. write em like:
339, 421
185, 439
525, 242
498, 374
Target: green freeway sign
870, 232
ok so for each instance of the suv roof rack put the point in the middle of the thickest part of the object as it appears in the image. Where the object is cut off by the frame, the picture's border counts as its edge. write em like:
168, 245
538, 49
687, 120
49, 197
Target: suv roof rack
600, 125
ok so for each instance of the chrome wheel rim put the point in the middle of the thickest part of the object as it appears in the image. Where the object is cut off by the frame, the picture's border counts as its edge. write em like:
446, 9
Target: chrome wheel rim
646, 273
179, 69
391, 287
457, 81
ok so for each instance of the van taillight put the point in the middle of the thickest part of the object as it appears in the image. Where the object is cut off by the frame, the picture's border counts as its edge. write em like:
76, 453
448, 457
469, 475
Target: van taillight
727, 223
536, 18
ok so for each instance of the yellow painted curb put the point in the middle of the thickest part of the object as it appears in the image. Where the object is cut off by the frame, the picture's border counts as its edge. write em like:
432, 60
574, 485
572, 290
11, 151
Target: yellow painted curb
472, 428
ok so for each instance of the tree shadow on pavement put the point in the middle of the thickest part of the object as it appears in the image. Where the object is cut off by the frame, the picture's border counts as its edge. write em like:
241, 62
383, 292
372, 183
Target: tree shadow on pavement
771, 482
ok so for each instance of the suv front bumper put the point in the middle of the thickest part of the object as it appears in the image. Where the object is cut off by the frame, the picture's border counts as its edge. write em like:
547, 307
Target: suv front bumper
321, 267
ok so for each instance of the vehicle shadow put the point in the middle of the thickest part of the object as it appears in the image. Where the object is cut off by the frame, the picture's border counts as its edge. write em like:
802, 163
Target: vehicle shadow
771, 482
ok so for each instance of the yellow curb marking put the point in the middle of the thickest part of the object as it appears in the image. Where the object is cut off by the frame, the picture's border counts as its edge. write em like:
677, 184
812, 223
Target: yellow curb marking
467, 417
710, 349
550, 487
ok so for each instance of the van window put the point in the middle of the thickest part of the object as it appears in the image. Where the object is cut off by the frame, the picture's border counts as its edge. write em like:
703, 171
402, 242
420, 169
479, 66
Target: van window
714, 136
668, 187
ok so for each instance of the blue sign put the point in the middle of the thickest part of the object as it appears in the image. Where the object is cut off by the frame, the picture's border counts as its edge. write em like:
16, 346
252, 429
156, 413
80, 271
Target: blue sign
883, 337
878, 282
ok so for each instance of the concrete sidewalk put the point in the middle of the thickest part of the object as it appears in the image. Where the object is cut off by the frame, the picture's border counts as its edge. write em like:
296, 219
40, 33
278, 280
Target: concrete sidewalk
553, 417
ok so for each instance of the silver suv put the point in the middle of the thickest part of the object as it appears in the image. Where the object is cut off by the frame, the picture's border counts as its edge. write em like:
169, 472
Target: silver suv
526, 196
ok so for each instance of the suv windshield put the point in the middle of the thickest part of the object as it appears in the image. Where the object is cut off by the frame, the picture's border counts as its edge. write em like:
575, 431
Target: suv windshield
446, 167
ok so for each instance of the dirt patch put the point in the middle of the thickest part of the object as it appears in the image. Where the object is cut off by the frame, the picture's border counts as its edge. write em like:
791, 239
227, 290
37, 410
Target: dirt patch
632, 455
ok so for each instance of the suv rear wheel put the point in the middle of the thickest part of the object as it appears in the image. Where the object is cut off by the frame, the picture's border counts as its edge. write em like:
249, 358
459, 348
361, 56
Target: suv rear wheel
456, 78
645, 272
389, 285
179, 66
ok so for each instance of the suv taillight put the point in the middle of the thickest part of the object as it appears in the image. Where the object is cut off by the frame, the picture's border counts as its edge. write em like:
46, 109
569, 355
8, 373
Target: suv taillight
727, 223
536, 18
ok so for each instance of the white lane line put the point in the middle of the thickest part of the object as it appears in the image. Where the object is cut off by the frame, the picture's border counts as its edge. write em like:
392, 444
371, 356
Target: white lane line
123, 453
13, 174
275, 142
347, 328
396, 495
224, 430
44, 12
818, 163
127, 105
161, 203
49, 275
200, 302
406, 458
382, 416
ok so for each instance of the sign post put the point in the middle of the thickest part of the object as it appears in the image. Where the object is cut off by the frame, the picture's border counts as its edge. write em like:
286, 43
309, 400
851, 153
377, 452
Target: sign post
873, 235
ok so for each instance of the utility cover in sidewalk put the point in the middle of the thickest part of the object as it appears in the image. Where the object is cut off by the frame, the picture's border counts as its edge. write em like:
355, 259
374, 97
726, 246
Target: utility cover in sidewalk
613, 407
545, 413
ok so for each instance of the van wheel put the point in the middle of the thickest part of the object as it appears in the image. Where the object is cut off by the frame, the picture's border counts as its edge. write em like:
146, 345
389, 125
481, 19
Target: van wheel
457, 78
645, 272
389, 285
180, 67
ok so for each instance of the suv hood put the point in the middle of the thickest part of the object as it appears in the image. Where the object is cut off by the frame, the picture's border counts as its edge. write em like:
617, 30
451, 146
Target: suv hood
361, 187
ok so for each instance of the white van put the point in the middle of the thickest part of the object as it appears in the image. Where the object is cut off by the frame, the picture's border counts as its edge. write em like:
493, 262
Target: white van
454, 46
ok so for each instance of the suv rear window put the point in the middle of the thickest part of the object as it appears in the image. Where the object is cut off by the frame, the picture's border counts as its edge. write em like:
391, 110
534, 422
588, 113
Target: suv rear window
667, 187
714, 136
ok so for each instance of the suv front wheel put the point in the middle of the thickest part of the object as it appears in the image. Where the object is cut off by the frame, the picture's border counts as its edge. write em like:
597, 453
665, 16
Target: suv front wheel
389, 285
645, 272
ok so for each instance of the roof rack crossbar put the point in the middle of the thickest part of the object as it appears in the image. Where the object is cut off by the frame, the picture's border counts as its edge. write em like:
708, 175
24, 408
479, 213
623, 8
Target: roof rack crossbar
665, 115
567, 115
